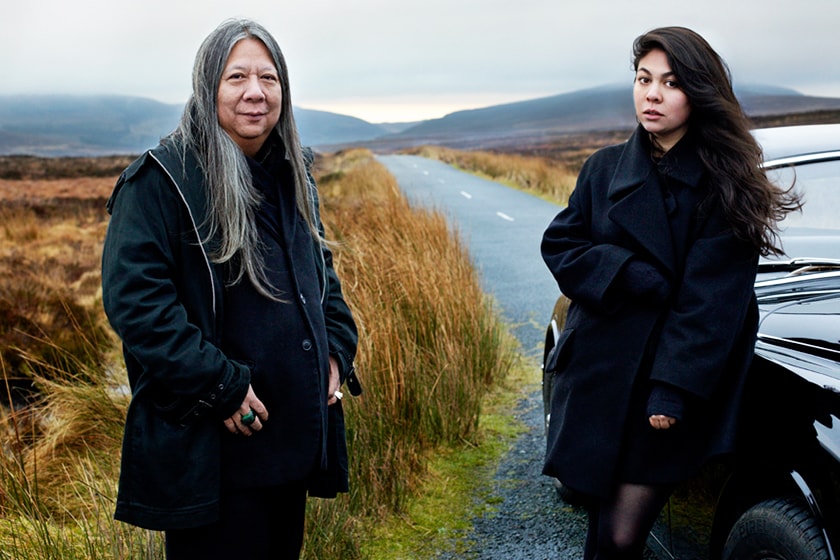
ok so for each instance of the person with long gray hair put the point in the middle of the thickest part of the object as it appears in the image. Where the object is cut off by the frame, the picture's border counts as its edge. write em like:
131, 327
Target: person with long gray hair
236, 335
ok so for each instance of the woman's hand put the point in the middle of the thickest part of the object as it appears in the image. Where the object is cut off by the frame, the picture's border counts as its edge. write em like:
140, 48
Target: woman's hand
661, 422
665, 407
251, 404
334, 384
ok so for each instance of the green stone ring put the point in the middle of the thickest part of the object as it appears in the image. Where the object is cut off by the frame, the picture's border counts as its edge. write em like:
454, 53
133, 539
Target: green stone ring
248, 419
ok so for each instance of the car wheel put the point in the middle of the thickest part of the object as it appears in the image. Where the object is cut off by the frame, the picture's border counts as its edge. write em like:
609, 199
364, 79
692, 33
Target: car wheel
547, 386
571, 497
778, 529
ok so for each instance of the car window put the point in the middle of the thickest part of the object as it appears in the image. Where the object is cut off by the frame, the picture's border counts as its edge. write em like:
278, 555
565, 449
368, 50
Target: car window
819, 185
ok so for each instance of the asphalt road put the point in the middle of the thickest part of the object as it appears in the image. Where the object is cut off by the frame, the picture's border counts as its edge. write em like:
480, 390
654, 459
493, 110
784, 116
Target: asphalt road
503, 228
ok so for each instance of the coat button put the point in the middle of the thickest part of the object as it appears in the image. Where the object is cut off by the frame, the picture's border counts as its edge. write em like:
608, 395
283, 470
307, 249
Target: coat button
306, 345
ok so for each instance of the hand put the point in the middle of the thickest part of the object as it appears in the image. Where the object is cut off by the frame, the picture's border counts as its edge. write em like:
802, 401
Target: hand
234, 423
335, 382
661, 422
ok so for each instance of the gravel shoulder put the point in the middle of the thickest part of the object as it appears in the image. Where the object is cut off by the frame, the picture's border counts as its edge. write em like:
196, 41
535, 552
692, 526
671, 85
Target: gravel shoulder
527, 519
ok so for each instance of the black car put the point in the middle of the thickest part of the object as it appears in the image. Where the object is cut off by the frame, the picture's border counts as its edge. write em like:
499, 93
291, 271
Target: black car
779, 496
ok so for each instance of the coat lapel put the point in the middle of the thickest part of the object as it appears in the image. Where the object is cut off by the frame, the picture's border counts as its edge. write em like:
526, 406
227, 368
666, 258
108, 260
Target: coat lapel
637, 203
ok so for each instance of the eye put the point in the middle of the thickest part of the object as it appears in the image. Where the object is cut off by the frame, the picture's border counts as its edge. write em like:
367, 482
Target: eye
672, 84
643, 80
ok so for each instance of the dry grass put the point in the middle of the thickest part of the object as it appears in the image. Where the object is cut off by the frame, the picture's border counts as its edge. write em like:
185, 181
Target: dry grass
50, 287
430, 348
542, 176
430, 344
33, 168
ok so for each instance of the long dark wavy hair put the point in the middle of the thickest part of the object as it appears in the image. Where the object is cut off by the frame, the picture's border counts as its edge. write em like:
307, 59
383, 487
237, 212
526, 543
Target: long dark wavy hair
752, 204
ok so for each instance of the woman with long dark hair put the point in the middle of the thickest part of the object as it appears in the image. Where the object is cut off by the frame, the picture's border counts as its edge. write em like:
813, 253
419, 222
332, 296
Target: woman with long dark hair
658, 251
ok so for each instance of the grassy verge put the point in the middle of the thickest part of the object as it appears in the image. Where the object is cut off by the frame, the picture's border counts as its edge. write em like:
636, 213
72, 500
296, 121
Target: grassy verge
460, 482
431, 347
540, 176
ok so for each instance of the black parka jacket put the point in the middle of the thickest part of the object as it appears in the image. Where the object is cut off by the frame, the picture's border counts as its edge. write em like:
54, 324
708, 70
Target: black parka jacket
163, 296
699, 339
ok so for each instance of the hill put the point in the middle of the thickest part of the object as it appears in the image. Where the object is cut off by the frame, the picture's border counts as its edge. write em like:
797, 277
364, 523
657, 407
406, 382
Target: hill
64, 125
605, 108
322, 127
61, 125
57, 125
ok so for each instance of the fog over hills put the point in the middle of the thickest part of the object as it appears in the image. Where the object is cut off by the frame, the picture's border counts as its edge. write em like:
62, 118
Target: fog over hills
61, 125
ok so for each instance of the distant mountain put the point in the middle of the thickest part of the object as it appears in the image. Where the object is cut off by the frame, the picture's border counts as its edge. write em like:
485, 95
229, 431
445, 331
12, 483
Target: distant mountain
321, 127
57, 125
590, 110
54, 125
63, 125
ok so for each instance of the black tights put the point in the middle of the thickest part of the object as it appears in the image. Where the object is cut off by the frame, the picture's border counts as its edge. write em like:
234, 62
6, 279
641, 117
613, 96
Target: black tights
619, 524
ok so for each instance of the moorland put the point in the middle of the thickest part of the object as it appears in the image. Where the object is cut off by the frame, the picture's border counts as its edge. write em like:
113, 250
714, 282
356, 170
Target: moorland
64, 394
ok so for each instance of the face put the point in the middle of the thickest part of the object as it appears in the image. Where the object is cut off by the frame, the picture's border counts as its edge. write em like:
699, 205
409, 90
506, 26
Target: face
249, 95
661, 106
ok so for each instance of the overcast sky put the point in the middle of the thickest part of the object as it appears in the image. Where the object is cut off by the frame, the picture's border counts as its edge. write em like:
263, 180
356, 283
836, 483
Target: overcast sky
403, 60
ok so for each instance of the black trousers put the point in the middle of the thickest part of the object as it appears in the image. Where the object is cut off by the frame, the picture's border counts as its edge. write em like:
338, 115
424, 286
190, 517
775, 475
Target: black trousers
262, 523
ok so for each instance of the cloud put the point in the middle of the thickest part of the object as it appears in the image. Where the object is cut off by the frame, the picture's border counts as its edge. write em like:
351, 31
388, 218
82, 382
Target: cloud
376, 52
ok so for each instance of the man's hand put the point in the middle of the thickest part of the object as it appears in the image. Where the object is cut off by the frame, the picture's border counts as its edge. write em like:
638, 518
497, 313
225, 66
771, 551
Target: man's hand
334, 384
235, 425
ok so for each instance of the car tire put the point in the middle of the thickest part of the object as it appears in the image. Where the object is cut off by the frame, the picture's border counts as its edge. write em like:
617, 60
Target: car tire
777, 529
547, 386
571, 497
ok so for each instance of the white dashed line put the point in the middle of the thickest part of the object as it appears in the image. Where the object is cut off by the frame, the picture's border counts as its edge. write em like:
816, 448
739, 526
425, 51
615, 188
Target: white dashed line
466, 195
504, 216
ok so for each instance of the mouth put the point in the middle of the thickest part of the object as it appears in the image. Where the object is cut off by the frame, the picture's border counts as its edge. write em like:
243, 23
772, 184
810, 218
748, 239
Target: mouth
652, 113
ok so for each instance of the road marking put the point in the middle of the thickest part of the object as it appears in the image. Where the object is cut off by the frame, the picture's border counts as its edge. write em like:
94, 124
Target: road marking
466, 195
504, 216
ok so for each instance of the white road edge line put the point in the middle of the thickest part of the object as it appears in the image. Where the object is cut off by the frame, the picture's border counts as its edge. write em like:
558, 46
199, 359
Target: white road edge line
504, 216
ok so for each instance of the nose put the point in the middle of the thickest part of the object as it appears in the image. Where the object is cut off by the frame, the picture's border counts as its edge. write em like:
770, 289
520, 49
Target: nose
653, 92
253, 89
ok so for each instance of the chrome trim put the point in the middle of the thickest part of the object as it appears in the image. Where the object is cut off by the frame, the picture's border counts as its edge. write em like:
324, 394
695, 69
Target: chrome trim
801, 158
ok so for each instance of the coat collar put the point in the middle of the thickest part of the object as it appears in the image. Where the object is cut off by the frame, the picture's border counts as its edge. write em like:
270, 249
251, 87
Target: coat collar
637, 202
635, 164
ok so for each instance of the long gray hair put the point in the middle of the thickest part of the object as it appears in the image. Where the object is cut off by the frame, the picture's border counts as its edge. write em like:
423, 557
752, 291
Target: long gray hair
233, 200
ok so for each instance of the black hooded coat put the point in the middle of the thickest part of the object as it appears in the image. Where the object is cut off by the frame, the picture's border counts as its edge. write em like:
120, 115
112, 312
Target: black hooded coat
166, 299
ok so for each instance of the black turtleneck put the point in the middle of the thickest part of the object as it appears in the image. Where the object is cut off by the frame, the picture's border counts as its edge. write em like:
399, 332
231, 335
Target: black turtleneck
284, 343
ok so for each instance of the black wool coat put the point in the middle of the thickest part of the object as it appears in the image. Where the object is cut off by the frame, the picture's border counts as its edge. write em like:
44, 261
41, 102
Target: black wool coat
695, 334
